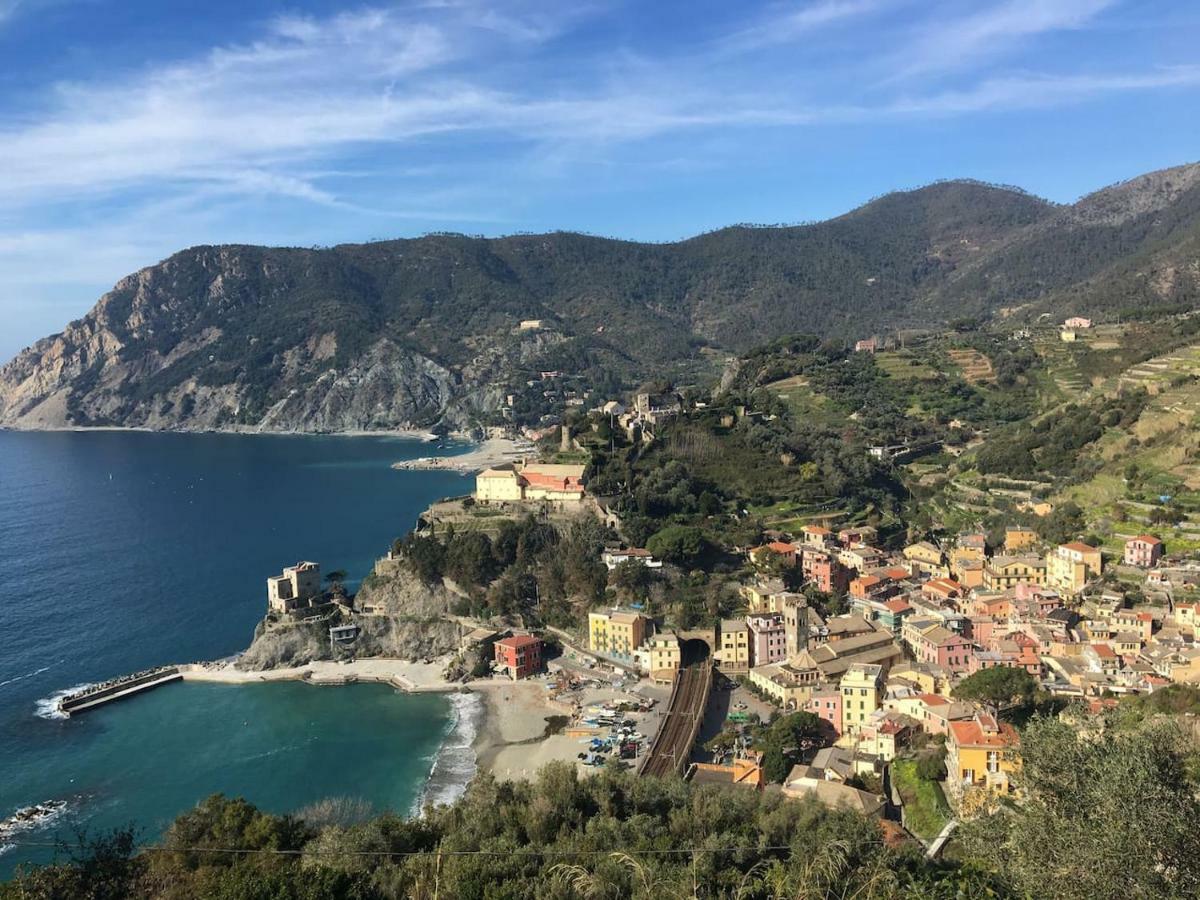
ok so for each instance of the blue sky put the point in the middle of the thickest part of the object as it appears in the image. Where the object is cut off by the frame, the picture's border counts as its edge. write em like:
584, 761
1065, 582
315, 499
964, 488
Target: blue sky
130, 129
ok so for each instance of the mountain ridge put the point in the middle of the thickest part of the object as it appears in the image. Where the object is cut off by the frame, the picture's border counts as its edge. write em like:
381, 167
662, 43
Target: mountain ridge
418, 332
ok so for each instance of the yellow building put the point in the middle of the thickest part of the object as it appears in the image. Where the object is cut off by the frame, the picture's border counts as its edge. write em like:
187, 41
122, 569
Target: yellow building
666, 655
1070, 566
981, 753
616, 633
1018, 538
533, 482
789, 686
733, 655
862, 688
1003, 572
498, 485
925, 558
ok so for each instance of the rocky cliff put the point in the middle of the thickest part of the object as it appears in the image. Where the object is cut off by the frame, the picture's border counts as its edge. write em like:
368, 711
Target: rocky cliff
408, 621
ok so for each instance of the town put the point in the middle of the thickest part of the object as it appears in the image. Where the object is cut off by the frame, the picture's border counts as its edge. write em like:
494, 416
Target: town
840, 656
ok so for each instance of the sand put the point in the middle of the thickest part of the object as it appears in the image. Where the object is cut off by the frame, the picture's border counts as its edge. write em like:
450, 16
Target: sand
492, 452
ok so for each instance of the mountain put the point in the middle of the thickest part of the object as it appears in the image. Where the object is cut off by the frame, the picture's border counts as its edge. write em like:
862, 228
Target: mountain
413, 333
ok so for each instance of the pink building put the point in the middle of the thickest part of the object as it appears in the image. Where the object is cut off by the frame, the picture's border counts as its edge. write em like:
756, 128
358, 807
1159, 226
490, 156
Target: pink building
826, 703
768, 639
942, 647
1144, 550
825, 572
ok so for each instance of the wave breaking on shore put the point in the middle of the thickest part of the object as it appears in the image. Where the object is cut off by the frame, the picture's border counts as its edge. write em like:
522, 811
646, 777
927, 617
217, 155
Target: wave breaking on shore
455, 763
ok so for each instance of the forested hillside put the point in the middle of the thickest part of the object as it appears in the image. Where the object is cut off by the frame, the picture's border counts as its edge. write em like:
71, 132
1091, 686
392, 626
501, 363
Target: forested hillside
425, 331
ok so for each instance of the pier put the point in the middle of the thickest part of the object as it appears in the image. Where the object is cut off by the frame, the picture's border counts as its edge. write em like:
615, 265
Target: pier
116, 688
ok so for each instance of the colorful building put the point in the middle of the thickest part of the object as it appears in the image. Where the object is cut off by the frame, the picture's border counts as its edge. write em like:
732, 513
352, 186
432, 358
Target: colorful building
519, 656
616, 633
981, 753
733, 652
1003, 572
768, 638
861, 688
1144, 551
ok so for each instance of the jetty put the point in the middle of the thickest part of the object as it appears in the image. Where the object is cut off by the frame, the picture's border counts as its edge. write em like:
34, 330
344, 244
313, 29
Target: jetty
116, 688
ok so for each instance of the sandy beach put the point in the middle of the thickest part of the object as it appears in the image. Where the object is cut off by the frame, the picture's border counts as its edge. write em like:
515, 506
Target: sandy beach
492, 452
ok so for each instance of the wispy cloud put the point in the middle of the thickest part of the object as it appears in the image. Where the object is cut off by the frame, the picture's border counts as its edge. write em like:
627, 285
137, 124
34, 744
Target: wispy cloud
960, 41
788, 22
1040, 91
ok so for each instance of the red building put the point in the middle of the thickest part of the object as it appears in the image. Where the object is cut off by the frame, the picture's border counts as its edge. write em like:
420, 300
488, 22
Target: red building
519, 656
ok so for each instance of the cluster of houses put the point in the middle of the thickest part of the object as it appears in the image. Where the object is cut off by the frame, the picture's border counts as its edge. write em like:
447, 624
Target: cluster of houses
923, 619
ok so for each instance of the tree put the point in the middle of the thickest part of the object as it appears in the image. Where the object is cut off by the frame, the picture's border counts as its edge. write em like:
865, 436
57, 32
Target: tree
1064, 524
775, 765
1108, 813
998, 686
335, 580
680, 544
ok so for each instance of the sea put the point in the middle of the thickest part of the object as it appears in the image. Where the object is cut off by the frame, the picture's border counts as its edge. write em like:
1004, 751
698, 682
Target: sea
124, 550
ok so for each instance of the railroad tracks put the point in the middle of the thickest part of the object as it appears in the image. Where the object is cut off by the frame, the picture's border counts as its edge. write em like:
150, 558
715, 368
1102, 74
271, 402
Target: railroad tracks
672, 746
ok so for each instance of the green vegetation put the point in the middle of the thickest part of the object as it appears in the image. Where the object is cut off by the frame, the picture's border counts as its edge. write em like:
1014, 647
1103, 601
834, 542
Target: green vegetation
926, 811
528, 568
557, 837
1109, 813
998, 686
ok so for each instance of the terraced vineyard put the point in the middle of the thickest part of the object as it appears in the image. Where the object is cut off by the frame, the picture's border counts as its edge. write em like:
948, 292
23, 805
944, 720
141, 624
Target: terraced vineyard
976, 368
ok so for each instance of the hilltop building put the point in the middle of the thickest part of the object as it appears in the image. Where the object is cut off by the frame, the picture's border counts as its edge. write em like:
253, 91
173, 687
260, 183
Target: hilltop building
516, 482
297, 587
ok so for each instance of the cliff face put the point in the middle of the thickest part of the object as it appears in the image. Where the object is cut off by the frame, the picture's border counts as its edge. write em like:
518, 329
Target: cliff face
408, 622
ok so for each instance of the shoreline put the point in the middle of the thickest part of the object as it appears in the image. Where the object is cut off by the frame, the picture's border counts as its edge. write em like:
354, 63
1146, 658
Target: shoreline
402, 433
483, 455
510, 739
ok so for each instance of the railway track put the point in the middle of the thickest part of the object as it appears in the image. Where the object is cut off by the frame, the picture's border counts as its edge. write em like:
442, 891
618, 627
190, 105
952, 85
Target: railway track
672, 746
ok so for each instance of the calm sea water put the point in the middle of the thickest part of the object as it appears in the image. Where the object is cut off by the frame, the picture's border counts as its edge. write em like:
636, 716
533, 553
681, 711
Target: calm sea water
120, 551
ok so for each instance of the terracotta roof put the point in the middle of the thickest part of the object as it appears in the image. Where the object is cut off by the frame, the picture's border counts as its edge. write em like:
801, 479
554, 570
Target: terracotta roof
897, 605
971, 734
1080, 547
518, 640
1145, 538
815, 529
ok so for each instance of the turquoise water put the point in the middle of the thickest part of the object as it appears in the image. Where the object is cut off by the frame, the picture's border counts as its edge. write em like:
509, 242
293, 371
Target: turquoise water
120, 551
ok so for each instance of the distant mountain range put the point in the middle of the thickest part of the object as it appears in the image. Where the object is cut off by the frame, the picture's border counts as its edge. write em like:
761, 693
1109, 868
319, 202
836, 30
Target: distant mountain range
413, 333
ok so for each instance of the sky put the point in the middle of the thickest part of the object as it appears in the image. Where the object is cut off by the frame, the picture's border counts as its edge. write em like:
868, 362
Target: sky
130, 129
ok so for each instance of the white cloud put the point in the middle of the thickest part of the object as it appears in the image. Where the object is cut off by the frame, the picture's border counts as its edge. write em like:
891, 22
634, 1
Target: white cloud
787, 22
976, 38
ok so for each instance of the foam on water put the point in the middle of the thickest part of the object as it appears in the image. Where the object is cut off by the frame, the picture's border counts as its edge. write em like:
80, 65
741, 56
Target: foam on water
47, 707
455, 763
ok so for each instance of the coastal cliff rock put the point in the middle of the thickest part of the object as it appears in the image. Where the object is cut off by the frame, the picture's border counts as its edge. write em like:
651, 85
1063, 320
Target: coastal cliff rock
404, 619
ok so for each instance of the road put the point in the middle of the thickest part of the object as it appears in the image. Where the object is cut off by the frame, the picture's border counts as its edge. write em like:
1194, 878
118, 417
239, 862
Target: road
672, 746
